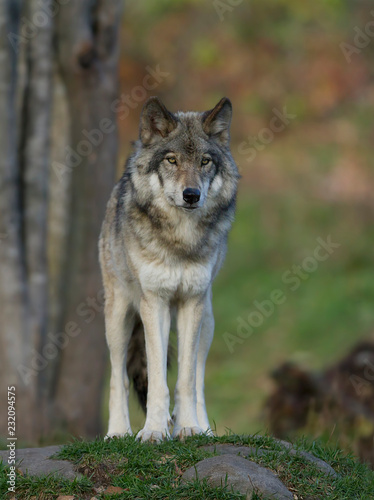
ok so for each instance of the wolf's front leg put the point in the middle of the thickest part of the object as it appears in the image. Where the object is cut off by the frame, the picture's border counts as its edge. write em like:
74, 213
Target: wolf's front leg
155, 315
118, 329
189, 322
206, 337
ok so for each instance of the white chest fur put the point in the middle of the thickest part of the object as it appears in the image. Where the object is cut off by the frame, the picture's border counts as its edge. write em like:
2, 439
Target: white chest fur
180, 278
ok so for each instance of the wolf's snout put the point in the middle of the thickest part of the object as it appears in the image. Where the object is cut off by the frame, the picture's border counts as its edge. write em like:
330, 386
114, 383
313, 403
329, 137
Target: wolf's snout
191, 195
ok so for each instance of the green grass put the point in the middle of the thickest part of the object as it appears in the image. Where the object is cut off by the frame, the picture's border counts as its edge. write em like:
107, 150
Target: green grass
153, 471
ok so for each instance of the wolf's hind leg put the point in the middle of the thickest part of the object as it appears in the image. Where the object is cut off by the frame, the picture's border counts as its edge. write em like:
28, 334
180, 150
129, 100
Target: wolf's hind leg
119, 323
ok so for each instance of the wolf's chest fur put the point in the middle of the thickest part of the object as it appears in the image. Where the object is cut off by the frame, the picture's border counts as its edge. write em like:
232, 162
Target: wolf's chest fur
174, 263
175, 278
178, 259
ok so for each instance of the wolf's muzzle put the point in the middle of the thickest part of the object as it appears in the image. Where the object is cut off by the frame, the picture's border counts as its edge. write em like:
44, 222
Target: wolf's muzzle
191, 195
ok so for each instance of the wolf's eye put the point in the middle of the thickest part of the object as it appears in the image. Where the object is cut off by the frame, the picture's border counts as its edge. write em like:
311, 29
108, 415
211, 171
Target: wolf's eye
172, 160
205, 161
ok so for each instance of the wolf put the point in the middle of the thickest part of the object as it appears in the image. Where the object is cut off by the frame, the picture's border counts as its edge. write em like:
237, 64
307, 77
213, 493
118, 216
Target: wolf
162, 243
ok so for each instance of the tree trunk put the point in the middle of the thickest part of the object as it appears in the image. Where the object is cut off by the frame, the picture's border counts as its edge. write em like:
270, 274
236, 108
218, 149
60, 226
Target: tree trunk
23, 289
88, 56
34, 160
58, 376
13, 283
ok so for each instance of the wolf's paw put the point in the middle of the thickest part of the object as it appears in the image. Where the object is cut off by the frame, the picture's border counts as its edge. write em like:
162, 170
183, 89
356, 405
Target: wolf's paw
152, 436
111, 435
208, 432
184, 432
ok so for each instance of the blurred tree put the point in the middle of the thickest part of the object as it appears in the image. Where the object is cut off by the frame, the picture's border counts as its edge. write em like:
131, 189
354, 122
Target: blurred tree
45, 44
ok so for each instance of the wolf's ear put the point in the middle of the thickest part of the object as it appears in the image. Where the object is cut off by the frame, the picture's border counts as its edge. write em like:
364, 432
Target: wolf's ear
155, 121
216, 122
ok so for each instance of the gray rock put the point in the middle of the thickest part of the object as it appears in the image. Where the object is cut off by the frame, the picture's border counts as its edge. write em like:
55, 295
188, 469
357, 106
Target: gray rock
37, 462
320, 464
231, 449
247, 451
242, 475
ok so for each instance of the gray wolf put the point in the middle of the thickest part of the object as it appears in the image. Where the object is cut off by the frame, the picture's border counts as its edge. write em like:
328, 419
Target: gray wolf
162, 243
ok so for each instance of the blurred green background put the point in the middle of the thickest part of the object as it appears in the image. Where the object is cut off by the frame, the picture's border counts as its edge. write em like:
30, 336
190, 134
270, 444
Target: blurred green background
313, 179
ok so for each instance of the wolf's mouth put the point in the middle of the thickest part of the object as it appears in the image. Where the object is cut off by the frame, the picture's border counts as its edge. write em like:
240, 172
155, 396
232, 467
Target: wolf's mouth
189, 208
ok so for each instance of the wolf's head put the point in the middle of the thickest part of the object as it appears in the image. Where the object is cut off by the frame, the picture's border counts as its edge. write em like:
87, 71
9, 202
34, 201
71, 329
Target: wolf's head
183, 159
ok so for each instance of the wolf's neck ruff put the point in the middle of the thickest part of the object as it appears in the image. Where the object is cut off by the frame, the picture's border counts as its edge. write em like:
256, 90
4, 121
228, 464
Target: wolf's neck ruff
161, 229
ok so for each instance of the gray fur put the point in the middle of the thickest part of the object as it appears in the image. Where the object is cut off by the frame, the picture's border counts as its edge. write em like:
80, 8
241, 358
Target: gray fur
148, 218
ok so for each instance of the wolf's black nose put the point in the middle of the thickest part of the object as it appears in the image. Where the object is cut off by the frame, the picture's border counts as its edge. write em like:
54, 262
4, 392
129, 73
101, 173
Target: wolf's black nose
191, 195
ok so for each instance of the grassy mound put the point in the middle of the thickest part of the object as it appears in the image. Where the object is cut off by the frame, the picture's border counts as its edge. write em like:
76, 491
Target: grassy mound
154, 471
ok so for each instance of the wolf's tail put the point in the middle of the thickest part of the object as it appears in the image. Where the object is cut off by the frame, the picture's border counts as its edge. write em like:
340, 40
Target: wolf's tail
137, 363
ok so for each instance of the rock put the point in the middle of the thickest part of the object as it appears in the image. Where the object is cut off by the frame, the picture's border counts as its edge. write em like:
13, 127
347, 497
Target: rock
247, 451
65, 497
320, 464
37, 462
242, 475
232, 449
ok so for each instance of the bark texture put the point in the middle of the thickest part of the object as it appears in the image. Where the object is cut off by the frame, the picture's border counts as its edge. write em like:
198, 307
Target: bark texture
88, 56
58, 80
